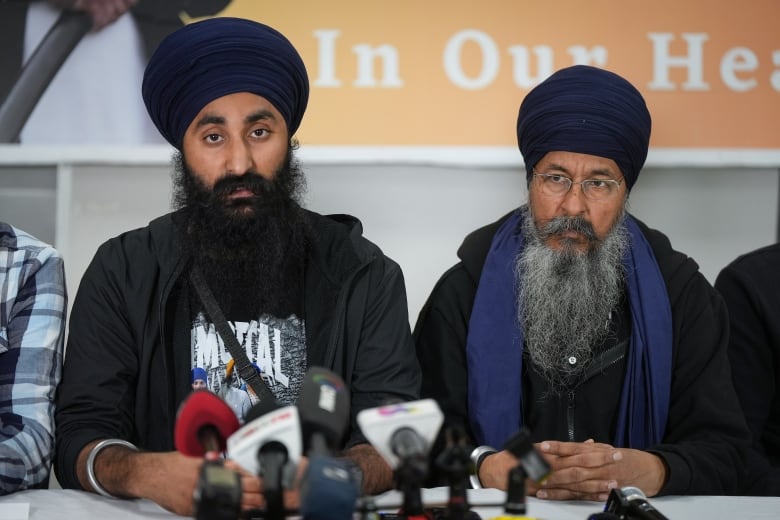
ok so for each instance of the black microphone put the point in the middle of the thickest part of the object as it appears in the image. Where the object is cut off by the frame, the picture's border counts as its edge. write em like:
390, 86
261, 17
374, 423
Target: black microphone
329, 489
323, 407
530, 464
630, 503
454, 461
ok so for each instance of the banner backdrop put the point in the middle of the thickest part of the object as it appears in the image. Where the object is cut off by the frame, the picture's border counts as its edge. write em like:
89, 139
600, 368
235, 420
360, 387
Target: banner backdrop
438, 73
451, 72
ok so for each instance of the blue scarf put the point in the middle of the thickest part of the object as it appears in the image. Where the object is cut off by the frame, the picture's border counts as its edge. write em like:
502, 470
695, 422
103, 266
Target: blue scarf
494, 347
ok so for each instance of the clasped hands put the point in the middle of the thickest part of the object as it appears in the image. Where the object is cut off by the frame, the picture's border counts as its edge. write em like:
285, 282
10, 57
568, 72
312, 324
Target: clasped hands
581, 471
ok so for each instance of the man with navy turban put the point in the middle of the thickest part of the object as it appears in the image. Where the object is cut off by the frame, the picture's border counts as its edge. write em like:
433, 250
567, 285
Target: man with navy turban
295, 289
573, 319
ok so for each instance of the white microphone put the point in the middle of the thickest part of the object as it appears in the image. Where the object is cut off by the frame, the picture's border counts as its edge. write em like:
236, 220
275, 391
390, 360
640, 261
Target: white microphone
281, 425
398, 428
403, 434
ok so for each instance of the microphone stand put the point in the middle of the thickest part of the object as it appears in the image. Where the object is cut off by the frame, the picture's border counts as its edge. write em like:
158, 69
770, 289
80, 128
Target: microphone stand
530, 464
455, 462
273, 458
515, 491
410, 475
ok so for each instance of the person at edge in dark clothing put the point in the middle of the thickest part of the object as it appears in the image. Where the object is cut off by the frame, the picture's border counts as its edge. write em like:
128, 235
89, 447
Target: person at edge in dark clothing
574, 319
750, 286
298, 289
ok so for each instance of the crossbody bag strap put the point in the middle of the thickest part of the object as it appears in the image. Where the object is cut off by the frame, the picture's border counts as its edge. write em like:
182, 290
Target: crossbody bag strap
245, 368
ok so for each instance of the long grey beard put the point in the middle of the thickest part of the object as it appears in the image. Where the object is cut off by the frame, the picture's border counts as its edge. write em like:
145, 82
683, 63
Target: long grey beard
566, 296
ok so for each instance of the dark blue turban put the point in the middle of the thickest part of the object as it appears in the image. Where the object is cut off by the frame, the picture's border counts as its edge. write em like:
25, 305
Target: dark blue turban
206, 60
586, 110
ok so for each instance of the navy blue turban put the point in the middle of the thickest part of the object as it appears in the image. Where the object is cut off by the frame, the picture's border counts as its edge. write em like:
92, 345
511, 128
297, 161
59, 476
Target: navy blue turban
586, 110
206, 60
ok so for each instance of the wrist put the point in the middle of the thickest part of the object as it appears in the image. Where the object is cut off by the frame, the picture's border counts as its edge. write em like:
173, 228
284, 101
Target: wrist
101, 473
478, 456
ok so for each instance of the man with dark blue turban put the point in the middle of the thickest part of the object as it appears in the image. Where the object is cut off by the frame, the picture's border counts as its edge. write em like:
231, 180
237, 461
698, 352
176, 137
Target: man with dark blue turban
291, 288
572, 318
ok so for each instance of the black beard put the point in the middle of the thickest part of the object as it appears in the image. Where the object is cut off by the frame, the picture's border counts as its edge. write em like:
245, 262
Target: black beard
247, 249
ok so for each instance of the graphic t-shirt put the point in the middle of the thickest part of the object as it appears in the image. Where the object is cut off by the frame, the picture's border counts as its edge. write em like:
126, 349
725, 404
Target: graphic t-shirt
276, 346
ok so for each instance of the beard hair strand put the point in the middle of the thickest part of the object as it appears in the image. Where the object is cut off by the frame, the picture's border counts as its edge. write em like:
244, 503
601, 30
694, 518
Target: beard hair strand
565, 296
246, 247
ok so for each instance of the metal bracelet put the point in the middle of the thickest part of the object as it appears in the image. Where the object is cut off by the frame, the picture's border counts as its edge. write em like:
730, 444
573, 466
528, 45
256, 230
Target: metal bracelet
477, 456
100, 446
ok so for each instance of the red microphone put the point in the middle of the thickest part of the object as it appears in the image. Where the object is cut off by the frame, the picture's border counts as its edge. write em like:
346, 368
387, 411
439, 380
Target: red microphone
203, 424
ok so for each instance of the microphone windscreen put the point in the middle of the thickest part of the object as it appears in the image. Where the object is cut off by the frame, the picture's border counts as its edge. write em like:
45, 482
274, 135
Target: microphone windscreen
329, 490
203, 411
323, 407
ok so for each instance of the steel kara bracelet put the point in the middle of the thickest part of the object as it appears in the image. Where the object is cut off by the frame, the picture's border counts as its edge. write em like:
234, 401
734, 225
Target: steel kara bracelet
100, 446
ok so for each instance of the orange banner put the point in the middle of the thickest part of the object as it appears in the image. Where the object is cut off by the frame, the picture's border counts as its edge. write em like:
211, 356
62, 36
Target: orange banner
453, 73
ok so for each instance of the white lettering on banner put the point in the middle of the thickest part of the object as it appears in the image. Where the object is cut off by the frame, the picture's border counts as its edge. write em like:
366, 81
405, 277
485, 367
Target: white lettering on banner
327, 58
738, 59
522, 65
366, 56
452, 61
581, 55
532, 64
662, 61
774, 79
365, 68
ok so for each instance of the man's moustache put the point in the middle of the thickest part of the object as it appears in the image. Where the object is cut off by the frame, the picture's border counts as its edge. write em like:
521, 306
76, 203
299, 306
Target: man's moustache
560, 225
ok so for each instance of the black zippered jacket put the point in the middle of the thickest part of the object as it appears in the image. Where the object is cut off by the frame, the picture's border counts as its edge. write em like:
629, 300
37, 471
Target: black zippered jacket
127, 367
706, 438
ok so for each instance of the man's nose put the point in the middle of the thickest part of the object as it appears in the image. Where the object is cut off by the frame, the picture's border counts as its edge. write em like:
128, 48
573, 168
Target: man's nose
238, 160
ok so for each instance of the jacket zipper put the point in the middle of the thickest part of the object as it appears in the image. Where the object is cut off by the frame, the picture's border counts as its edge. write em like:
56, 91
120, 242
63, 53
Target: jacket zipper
620, 350
570, 415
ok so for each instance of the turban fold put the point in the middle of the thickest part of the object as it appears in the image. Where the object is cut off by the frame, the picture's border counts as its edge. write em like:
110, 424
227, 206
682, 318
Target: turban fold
206, 60
586, 110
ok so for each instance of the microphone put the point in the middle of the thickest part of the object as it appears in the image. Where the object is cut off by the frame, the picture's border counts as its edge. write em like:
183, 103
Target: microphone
269, 445
454, 461
203, 424
630, 503
530, 464
403, 434
324, 410
265, 423
385, 428
329, 489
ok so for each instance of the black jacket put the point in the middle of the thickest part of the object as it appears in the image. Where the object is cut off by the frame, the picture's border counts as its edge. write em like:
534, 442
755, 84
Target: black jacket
750, 286
127, 365
706, 437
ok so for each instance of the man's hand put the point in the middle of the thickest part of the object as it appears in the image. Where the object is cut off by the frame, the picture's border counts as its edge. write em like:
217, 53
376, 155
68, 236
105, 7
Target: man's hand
102, 12
494, 470
589, 470
168, 480
377, 474
252, 487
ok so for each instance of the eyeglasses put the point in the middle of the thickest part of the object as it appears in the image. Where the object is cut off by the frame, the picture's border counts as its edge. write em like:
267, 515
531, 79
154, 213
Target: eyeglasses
556, 185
